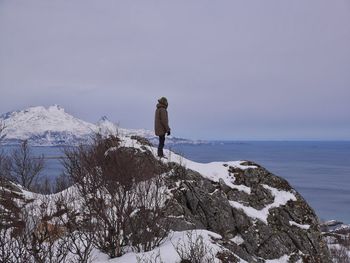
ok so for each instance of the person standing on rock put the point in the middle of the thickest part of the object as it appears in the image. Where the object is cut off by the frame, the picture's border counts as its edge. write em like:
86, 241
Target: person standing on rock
161, 124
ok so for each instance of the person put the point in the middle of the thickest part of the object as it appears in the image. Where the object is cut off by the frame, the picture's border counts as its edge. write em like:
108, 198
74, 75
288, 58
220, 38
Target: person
161, 124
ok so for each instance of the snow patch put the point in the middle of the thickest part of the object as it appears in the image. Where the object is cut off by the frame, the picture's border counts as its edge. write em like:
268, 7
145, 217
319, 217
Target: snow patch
280, 198
112, 149
283, 259
213, 171
166, 250
293, 223
238, 240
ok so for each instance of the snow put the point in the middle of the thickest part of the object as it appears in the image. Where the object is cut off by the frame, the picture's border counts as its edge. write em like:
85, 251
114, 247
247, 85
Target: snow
280, 198
106, 127
112, 149
283, 259
342, 227
167, 250
213, 171
332, 222
340, 248
41, 120
292, 223
237, 240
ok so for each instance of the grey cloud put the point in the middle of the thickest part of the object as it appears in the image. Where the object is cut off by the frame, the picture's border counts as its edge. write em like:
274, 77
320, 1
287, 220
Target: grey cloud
231, 69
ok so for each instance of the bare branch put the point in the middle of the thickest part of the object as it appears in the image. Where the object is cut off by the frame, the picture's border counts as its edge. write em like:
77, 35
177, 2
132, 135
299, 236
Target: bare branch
2, 128
119, 194
25, 168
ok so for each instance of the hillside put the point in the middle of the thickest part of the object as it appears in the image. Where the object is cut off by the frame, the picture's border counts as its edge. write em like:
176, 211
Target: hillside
233, 211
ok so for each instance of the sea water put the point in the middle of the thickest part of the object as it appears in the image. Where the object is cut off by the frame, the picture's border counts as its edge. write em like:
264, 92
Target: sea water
319, 171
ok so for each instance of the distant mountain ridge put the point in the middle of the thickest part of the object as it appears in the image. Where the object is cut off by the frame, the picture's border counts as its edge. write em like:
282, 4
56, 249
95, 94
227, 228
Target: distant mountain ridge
53, 126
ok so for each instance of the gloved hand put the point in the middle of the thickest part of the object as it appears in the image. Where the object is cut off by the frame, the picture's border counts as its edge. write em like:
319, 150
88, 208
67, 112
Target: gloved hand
168, 133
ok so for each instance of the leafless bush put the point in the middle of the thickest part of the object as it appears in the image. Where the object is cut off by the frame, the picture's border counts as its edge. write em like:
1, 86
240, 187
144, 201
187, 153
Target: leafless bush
31, 236
153, 258
340, 255
78, 230
59, 233
62, 183
43, 186
47, 241
2, 128
13, 248
112, 181
24, 167
193, 249
12, 242
339, 243
5, 166
148, 227
121, 208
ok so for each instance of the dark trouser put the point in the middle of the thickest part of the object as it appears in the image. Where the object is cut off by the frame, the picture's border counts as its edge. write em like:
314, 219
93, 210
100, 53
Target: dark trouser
161, 145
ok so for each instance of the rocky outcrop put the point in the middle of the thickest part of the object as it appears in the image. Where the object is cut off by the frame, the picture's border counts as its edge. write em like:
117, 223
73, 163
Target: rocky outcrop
268, 220
259, 217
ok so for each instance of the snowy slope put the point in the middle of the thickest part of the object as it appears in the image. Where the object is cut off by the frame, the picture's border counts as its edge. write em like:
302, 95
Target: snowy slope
45, 126
215, 172
53, 126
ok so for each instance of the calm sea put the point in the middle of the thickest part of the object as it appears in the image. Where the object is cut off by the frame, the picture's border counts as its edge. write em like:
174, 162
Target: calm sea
320, 171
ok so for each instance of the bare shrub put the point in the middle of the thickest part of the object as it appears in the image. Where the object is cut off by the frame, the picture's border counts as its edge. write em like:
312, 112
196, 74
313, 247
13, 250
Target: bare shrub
47, 240
2, 128
29, 235
5, 166
62, 183
24, 167
12, 242
150, 258
43, 186
193, 249
112, 182
340, 255
148, 227
339, 244
13, 248
79, 230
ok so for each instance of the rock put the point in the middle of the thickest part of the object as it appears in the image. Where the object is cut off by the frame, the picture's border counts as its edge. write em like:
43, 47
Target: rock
291, 229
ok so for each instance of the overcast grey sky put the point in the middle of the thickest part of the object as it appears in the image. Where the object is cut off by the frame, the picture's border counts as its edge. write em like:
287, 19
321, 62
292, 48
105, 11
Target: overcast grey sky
246, 69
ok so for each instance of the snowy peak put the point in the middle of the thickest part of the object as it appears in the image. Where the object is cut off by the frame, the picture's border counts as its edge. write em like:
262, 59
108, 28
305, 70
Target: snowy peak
106, 127
40, 124
103, 118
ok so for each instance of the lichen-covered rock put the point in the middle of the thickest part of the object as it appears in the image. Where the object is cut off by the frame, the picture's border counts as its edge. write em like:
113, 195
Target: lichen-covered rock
271, 221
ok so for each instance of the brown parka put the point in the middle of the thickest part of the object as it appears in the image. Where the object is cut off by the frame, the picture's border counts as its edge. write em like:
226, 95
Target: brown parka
161, 121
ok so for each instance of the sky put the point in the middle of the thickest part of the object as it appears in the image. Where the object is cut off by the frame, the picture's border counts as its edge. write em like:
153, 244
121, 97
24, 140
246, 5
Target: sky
231, 70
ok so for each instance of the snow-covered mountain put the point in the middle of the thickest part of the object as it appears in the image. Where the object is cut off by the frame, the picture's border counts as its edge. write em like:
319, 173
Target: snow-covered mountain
53, 126
45, 126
